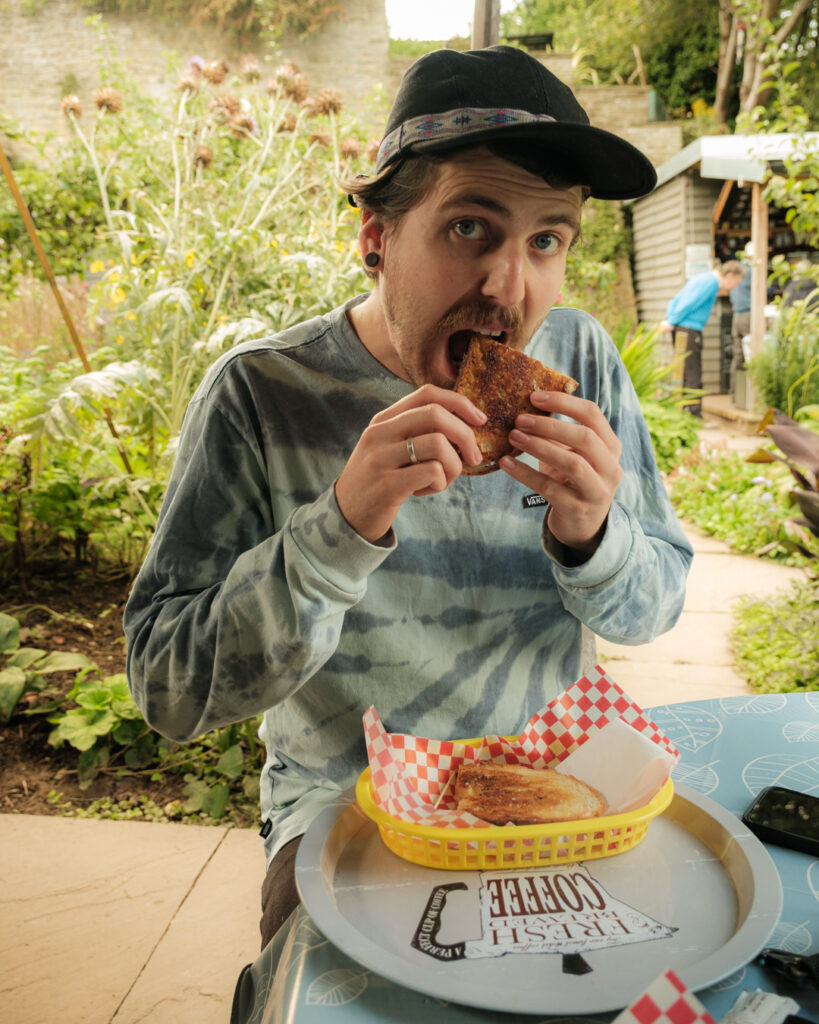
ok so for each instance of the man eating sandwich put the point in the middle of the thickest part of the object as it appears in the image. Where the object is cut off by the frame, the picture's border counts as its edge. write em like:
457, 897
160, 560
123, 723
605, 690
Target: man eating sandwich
321, 547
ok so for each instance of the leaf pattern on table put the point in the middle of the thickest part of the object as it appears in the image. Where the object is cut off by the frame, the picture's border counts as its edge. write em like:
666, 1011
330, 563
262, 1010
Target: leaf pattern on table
792, 937
762, 704
812, 700
702, 777
812, 876
336, 988
787, 770
688, 728
801, 732
731, 981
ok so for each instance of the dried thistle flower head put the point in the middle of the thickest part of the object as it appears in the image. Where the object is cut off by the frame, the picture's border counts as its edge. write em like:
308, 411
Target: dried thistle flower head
326, 101
287, 80
203, 155
350, 147
250, 68
71, 105
321, 139
190, 79
371, 151
215, 71
227, 106
243, 124
108, 100
287, 123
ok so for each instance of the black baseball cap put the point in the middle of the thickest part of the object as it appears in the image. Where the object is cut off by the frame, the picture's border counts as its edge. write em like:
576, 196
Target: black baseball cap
449, 99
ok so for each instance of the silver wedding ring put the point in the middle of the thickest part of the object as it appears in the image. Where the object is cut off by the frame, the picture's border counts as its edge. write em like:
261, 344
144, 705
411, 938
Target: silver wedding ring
411, 450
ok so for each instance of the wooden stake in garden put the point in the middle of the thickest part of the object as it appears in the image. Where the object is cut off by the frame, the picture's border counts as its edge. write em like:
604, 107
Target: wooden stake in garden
58, 295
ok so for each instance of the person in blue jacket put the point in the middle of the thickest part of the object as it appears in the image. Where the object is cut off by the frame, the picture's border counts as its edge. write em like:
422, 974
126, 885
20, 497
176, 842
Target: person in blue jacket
688, 313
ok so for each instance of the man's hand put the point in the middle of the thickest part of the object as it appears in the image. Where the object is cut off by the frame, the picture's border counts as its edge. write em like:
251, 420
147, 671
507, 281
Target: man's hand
380, 476
578, 466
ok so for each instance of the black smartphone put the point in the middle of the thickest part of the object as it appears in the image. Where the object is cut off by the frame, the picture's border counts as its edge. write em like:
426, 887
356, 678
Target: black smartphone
785, 817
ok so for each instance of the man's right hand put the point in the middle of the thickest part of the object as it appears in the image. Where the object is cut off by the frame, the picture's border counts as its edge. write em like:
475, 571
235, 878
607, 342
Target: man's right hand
380, 476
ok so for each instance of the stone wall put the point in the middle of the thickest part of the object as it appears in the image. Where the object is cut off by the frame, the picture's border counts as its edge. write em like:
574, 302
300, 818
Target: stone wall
41, 53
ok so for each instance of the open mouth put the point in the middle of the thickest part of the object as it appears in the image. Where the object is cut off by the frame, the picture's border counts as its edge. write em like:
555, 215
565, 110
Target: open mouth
459, 343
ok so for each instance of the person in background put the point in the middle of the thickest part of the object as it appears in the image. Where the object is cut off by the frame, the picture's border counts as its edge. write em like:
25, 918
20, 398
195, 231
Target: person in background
741, 317
802, 284
688, 313
320, 548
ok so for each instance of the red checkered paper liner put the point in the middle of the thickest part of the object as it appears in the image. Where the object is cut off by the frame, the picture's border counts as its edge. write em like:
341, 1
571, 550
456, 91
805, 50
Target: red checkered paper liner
411, 777
665, 1001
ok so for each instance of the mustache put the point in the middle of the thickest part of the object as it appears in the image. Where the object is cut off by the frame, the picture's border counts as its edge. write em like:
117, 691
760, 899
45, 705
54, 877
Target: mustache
508, 318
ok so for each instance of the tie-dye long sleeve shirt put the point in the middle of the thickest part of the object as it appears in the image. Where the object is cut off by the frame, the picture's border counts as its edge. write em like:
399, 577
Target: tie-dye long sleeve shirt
256, 595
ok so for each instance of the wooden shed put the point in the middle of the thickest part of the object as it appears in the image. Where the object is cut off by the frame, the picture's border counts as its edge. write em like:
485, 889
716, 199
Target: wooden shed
708, 203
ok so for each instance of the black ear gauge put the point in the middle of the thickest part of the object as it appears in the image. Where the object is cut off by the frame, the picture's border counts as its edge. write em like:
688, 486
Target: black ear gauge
372, 259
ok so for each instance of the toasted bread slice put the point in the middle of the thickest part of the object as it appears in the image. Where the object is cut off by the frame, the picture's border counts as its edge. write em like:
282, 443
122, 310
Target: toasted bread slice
503, 793
498, 380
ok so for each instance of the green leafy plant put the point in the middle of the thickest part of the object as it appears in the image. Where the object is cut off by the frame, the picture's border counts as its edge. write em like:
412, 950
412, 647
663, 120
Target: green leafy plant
748, 506
99, 719
64, 508
774, 641
595, 262
24, 668
105, 727
799, 451
786, 371
672, 432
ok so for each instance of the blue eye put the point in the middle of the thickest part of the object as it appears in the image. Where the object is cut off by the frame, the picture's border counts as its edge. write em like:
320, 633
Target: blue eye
469, 228
547, 242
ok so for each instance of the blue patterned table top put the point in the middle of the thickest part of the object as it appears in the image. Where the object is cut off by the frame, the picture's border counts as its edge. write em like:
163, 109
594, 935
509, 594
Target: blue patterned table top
730, 749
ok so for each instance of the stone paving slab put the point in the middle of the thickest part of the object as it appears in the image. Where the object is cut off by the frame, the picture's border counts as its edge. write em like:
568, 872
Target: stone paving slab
86, 907
193, 971
652, 683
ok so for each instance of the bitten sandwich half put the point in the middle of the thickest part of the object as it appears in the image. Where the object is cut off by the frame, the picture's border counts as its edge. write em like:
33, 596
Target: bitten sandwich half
504, 793
498, 380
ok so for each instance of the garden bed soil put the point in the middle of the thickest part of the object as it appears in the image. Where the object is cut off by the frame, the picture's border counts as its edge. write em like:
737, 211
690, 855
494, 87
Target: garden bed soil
81, 614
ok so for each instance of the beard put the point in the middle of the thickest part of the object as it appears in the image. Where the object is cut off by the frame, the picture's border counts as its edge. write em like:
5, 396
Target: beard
417, 345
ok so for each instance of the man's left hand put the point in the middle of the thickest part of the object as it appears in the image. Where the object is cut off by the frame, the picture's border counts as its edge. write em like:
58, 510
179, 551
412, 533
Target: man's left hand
578, 466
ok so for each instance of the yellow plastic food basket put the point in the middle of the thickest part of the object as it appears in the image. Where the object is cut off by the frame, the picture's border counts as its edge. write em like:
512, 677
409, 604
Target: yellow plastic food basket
511, 846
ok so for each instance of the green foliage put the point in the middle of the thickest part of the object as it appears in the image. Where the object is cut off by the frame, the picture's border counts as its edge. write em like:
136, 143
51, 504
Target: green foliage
217, 217
99, 719
786, 371
595, 260
676, 42
682, 64
785, 112
672, 432
73, 506
746, 505
797, 447
63, 201
638, 350
774, 641
22, 669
